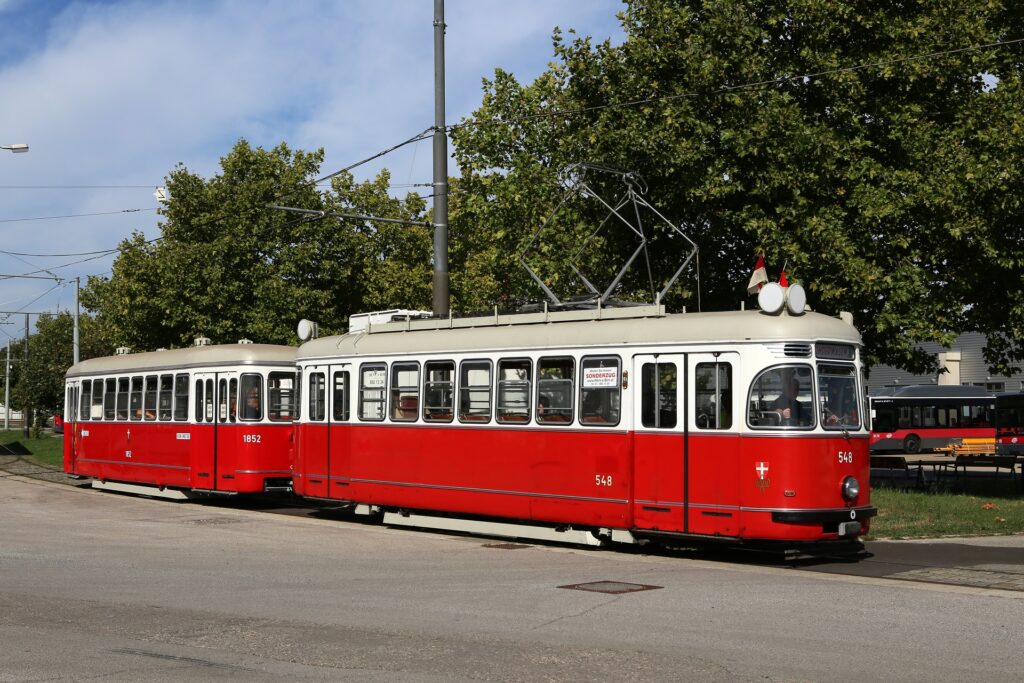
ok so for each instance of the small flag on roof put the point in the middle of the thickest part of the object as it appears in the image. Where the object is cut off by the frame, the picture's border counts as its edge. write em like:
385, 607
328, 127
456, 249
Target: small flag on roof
783, 282
759, 278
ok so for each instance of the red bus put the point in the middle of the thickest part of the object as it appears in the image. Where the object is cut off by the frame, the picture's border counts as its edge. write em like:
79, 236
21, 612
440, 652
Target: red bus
207, 419
915, 418
629, 424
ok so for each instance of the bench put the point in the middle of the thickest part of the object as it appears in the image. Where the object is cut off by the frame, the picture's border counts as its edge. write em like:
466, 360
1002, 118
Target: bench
985, 462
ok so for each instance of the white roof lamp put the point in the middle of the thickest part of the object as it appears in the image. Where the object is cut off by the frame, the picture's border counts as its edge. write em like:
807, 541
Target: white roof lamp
796, 299
307, 330
17, 148
772, 298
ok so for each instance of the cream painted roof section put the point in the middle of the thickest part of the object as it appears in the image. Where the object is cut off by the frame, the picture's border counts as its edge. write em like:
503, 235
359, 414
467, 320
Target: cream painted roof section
193, 356
681, 328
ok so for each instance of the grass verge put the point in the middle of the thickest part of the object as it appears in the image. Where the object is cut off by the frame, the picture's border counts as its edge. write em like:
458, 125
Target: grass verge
982, 508
47, 450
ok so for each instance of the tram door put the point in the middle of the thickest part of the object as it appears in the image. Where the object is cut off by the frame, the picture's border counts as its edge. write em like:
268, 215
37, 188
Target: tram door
214, 408
314, 437
659, 441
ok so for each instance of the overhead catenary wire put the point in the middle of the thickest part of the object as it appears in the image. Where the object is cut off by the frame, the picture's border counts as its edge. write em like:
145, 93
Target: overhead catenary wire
73, 215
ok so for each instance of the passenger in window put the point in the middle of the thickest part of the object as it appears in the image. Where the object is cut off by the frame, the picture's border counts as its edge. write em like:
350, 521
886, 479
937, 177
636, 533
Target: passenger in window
252, 404
592, 409
543, 403
788, 407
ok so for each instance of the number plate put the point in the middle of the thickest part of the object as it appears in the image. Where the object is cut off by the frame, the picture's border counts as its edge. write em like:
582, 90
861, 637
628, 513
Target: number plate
849, 528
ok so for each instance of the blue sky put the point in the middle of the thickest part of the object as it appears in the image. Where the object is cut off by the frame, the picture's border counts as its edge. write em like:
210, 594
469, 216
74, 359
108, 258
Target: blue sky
115, 93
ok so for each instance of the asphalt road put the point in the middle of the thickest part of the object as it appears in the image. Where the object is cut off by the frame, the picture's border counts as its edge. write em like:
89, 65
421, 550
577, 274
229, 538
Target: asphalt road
96, 585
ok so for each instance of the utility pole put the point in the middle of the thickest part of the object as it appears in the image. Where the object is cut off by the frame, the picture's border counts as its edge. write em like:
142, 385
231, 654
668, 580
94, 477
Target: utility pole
26, 414
7, 391
441, 298
78, 282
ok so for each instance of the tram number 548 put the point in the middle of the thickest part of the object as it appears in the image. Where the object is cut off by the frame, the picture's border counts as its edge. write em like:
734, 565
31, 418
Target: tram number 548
846, 457
603, 479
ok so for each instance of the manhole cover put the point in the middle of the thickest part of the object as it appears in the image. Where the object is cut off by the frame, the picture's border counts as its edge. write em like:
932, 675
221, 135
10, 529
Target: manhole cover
957, 576
506, 546
610, 587
211, 521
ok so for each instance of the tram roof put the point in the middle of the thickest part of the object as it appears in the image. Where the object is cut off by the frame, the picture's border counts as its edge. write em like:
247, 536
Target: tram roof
190, 357
508, 333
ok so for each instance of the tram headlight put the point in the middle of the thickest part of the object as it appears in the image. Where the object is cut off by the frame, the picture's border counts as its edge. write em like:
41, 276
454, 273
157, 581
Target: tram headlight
851, 488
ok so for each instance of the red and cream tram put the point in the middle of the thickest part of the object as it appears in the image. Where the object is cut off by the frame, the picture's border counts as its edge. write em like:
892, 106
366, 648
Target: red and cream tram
215, 419
627, 423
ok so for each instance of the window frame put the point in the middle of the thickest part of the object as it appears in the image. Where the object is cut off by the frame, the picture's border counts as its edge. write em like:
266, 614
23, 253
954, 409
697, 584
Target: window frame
559, 416
812, 406
402, 392
247, 381
503, 417
465, 416
617, 389
363, 401
341, 402
429, 385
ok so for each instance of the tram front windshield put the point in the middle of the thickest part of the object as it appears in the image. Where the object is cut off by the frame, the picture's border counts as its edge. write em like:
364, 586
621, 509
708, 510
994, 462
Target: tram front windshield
837, 396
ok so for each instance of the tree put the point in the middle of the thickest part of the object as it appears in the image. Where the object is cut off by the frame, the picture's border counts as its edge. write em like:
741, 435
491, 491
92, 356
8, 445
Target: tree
854, 142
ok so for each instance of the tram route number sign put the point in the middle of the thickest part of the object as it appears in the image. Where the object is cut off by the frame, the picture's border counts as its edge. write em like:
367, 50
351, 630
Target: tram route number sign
600, 378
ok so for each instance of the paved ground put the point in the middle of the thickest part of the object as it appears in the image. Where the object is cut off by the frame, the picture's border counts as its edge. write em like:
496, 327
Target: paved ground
125, 588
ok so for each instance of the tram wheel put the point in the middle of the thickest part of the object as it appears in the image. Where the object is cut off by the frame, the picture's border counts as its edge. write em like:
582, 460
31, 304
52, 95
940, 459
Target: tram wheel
912, 444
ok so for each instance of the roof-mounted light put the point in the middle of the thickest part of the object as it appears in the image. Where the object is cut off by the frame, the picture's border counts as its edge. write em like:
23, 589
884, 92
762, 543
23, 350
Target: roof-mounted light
308, 330
771, 298
796, 300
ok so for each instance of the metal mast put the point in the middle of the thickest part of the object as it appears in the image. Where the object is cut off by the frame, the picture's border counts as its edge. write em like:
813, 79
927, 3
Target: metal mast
441, 299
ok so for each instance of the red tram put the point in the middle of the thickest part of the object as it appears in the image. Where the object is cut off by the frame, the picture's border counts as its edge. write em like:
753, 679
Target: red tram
625, 423
209, 419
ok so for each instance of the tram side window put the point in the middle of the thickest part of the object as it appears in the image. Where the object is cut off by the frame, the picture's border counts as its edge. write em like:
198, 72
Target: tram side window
475, 391
251, 393
658, 385
181, 397
222, 400
438, 391
149, 404
208, 401
282, 388
339, 410
372, 384
782, 397
514, 390
555, 390
599, 391
109, 395
713, 395
405, 391
837, 395
233, 399
135, 407
122, 398
317, 397
166, 397
86, 402
200, 417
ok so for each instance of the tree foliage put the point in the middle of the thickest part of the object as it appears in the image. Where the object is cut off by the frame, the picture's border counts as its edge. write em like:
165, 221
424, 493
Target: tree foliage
810, 132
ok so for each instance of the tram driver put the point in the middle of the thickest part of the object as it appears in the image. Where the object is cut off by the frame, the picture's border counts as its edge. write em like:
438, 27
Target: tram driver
788, 406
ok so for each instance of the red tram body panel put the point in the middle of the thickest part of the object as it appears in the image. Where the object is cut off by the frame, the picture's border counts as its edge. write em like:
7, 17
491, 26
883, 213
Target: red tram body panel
721, 426
210, 418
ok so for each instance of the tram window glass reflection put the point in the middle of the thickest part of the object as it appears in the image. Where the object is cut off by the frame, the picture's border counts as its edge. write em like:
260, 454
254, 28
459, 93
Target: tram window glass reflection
782, 397
282, 388
555, 393
250, 396
166, 397
658, 403
86, 400
181, 397
317, 397
222, 400
100, 398
339, 398
122, 398
438, 391
514, 390
475, 391
405, 391
837, 395
149, 402
372, 385
713, 395
135, 408
200, 417
600, 391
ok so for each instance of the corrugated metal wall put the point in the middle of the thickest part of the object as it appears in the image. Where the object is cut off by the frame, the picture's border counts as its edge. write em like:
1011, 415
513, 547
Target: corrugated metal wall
973, 369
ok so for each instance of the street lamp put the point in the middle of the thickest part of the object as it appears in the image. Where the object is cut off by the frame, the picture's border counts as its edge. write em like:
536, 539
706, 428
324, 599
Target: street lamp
19, 148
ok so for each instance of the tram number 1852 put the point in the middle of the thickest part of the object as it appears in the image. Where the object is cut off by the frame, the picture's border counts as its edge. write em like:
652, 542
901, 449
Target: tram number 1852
251, 438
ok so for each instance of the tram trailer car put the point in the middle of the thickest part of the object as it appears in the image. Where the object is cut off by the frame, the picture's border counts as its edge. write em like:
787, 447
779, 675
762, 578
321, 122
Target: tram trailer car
629, 423
214, 419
